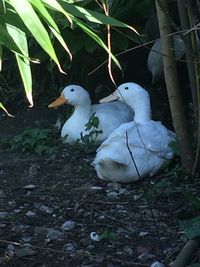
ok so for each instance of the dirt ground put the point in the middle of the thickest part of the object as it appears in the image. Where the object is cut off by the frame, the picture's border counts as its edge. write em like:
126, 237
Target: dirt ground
51, 204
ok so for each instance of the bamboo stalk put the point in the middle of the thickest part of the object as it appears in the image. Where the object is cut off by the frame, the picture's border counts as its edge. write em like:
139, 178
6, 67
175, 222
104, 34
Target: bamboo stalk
172, 84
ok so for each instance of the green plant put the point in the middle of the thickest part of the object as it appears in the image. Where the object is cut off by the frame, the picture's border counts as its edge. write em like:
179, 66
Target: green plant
39, 141
87, 143
92, 129
17, 30
192, 227
108, 235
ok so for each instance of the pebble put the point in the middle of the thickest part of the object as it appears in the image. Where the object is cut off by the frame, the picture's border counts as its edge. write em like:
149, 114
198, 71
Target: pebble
53, 234
3, 214
113, 195
141, 234
30, 213
157, 264
23, 252
128, 250
48, 233
95, 236
46, 209
68, 225
123, 191
146, 256
29, 186
69, 247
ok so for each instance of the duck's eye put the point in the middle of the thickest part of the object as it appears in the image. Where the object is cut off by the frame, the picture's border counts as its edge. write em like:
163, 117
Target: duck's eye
72, 90
126, 88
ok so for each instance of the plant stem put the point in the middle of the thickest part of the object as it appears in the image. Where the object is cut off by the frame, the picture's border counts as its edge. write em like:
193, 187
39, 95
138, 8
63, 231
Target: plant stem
173, 89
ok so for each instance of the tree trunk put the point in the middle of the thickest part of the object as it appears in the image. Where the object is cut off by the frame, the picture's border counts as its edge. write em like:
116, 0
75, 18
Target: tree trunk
172, 84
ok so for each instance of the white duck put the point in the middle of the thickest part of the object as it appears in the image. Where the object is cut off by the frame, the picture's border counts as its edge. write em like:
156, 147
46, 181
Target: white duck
110, 115
147, 140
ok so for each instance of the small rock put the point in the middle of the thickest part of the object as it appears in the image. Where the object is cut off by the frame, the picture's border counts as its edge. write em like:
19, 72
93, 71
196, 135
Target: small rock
95, 236
146, 256
123, 191
115, 186
53, 234
26, 239
136, 197
23, 252
30, 213
141, 234
33, 170
16, 211
68, 225
29, 186
96, 187
128, 250
157, 264
10, 247
49, 233
113, 195
2, 225
69, 248
46, 209
3, 214
19, 228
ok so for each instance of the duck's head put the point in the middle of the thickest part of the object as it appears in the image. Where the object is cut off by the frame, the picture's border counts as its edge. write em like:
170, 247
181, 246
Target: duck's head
134, 96
127, 92
74, 95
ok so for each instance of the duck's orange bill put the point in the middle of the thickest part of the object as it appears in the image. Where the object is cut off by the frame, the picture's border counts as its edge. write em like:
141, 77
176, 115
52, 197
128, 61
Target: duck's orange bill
109, 98
58, 102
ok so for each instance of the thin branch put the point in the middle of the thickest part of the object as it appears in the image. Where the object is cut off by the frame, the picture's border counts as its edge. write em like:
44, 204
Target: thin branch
106, 10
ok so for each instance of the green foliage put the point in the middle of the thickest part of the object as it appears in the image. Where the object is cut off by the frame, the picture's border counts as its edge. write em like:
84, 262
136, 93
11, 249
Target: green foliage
193, 199
17, 31
92, 127
175, 148
35, 140
192, 227
108, 235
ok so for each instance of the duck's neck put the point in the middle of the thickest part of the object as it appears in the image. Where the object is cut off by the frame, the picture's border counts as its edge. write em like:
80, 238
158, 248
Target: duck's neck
142, 108
81, 112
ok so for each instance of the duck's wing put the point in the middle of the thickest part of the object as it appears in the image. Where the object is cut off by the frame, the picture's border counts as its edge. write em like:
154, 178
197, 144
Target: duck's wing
154, 137
116, 110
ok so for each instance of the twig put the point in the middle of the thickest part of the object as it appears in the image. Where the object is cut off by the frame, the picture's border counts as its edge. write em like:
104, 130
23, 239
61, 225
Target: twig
106, 10
184, 32
113, 219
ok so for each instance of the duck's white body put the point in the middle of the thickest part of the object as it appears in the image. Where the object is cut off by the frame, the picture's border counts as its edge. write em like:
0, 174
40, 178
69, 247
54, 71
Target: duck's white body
143, 142
110, 115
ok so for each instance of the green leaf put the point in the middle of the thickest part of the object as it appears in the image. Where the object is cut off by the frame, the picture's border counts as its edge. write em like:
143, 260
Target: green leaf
2, 6
51, 23
1, 53
193, 199
70, 11
191, 227
93, 16
25, 71
97, 39
33, 23
20, 39
6, 39
2, 107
